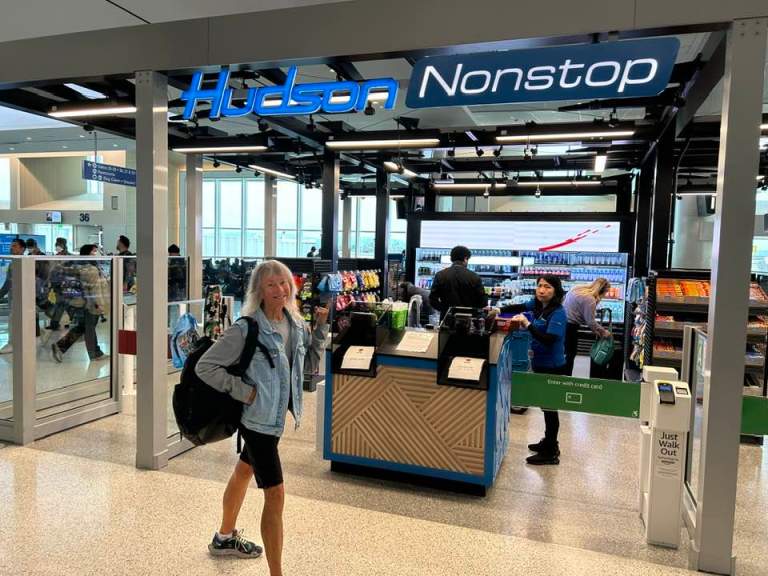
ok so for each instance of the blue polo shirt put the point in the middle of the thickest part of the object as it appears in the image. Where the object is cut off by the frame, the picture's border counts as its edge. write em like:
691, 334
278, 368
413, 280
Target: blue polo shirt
552, 355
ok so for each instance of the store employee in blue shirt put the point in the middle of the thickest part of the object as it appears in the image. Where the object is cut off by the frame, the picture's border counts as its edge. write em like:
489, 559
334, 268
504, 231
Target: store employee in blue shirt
544, 317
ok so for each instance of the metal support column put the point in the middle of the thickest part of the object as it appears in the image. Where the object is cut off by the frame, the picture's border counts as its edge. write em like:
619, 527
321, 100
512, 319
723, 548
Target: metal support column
22, 338
663, 187
329, 244
195, 224
644, 197
381, 246
712, 546
270, 216
152, 274
346, 226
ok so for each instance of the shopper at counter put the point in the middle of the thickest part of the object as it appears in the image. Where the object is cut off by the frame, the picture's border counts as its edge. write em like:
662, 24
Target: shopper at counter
580, 305
124, 246
545, 319
267, 393
457, 285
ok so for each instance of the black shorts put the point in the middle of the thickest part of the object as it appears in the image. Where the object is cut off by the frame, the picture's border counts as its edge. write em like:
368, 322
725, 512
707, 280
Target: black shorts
260, 452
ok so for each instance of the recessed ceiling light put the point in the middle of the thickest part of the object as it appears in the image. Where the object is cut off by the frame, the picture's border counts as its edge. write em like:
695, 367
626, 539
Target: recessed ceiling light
63, 146
11, 148
29, 138
114, 145
82, 135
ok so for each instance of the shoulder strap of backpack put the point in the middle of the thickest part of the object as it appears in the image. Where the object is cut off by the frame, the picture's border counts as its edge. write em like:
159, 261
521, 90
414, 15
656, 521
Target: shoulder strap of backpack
251, 343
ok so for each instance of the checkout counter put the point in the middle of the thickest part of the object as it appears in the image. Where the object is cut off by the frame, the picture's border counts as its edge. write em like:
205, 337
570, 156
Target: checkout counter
423, 405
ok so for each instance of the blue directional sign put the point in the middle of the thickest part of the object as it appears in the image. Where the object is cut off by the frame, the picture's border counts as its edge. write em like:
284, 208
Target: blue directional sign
624, 69
109, 174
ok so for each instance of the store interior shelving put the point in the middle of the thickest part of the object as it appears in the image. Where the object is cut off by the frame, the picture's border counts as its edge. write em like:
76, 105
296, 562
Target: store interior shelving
509, 276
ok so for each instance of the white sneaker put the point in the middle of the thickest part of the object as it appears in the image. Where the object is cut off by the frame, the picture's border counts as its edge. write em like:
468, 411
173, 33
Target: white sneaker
7, 349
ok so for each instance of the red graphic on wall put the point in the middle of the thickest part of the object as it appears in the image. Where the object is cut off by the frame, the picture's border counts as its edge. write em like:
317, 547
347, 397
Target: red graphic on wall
575, 239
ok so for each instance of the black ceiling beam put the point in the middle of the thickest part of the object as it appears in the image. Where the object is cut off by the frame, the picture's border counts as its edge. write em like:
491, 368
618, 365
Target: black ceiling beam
666, 98
347, 71
274, 75
704, 81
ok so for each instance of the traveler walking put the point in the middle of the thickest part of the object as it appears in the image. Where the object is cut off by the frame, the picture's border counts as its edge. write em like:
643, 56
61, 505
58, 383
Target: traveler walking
267, 394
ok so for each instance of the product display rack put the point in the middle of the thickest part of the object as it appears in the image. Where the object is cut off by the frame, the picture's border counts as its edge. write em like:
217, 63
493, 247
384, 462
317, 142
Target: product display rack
663, 337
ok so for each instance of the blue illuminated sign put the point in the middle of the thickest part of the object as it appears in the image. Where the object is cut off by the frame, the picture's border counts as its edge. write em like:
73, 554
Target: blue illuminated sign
625, 69
288, 99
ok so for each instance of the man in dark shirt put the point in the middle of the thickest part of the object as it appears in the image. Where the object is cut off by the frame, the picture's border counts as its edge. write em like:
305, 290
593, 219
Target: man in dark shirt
457, 285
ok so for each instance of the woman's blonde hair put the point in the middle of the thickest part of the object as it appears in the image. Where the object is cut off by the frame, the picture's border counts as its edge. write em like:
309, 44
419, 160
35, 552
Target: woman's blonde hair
254, 296
597, 289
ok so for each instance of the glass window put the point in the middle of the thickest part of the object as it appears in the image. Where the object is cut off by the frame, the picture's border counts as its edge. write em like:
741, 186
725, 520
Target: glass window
5, 183
309, 238
229, 242
254, 243
287, 204
366, 244
396, 225
312, 209
209, 204
209, 242
396, 242
231, 203
286, 243
254, 202
367, 216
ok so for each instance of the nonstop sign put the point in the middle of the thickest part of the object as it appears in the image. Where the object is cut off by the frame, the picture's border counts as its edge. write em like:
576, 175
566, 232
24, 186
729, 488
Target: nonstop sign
288, 99
624, 69
109, 173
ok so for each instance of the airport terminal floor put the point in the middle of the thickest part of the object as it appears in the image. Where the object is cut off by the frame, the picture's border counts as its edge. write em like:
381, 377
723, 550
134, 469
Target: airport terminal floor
74, 503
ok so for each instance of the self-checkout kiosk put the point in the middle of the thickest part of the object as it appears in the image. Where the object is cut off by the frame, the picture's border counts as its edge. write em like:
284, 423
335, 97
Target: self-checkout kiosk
666, 404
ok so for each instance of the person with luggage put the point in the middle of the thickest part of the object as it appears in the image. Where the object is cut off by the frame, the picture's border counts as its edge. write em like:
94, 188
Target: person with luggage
87, 303
270, 388
544, 317
580, 305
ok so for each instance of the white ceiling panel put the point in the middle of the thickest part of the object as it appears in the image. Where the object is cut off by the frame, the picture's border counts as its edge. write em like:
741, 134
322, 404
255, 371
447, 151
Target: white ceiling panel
171, 10
35, 18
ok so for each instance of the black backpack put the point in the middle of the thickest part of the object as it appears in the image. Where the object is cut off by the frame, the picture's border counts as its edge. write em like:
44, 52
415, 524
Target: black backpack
204, 414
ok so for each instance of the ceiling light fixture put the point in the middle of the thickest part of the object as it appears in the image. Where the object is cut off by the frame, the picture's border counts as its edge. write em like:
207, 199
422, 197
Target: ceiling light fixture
538, 191
600, 161
763, 126
564, 136
454, 186
111, 110
381, 144
264, 170
398, 169
219, 149
238, 169
498, 150
561, 183
216, 163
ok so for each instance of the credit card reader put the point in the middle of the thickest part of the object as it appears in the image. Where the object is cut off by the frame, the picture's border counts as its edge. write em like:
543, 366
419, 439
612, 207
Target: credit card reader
666, 393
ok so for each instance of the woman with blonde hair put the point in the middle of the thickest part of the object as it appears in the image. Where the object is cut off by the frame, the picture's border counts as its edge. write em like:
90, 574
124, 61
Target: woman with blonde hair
270, 388
580, 305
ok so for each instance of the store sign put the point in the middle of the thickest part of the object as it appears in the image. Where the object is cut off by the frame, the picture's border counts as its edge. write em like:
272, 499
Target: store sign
626, 69
288, 99
594, 396
109, 173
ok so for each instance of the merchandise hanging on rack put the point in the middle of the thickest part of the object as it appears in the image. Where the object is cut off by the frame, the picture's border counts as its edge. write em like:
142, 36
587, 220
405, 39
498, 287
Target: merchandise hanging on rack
351, 286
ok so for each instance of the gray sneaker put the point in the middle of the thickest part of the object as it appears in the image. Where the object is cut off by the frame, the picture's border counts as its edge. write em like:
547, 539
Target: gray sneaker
234, 546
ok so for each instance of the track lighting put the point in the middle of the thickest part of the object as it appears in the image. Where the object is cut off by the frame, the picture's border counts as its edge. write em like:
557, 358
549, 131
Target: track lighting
451, 153
613, 120
498, 150
527, 153
479, 151
263, 126
369, 110
238, 169
538, 192
216, 163
486, 194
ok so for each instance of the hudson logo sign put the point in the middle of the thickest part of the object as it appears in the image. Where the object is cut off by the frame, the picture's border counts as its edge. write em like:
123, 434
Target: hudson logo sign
609, 70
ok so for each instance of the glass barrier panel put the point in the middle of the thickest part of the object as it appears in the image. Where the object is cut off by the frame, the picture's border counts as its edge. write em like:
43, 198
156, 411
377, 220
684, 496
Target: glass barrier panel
73, 326
178, 278
697, 396
129, 277
185, 326
6, 348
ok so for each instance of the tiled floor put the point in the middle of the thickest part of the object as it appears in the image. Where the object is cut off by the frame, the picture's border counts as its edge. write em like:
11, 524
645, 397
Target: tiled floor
74, 504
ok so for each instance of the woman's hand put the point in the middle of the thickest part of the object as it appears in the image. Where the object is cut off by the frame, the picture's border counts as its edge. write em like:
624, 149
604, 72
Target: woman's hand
523, 319
321, 315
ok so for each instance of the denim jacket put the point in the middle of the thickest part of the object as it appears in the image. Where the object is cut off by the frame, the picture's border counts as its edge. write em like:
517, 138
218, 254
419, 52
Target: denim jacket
266, 414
